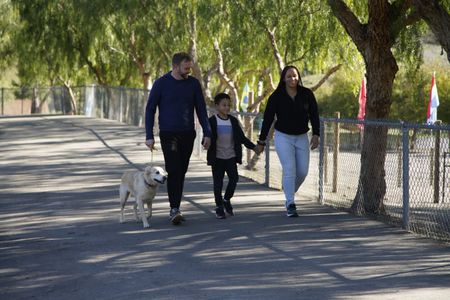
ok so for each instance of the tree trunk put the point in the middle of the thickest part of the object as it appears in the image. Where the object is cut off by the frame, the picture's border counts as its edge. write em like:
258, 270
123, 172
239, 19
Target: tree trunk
374, 41
35, 103
73, 103
381, 70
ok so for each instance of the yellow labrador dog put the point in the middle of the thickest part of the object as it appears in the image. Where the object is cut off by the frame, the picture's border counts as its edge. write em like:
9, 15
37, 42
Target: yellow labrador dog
142, 185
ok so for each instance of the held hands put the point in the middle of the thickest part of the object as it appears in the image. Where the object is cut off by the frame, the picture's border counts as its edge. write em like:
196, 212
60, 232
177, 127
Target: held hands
314, 142
259, 147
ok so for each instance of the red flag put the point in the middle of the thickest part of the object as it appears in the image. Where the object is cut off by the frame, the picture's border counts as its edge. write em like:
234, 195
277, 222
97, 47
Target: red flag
362, 102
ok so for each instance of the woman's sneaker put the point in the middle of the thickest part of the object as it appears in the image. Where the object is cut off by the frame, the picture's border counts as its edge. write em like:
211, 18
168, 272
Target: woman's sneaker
292, 211
228, 207
220, 214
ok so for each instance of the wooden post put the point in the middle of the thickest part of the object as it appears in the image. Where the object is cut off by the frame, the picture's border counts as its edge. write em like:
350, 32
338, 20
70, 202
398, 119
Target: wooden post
437, 150
336, 152
325, 164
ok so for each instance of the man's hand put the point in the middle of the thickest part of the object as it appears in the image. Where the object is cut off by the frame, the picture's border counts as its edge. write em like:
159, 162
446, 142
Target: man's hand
206, 142
150, 144
314, 142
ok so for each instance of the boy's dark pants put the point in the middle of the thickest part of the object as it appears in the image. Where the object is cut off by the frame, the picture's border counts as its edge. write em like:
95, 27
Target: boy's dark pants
177, 149
219, 168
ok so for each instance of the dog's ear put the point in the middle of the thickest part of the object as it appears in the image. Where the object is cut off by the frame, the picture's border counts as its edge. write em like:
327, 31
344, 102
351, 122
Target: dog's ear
148, 170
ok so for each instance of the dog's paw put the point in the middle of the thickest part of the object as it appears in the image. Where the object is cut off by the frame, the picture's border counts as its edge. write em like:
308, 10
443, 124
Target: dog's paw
146, 225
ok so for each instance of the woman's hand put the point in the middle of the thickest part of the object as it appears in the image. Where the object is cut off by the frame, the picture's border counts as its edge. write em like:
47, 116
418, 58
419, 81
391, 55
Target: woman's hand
314, 142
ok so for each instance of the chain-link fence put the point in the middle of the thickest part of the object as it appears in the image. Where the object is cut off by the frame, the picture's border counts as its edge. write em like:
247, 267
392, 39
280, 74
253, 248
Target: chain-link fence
25, 101
397, 171
116, 103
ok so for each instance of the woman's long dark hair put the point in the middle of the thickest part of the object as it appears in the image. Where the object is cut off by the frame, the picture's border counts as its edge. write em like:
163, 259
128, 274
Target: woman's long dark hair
282, 83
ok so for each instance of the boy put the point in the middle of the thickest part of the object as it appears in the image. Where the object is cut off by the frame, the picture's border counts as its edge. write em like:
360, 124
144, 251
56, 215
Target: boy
225, 152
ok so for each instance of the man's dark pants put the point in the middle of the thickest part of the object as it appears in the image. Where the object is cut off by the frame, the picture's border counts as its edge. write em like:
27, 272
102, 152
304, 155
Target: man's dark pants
177, 149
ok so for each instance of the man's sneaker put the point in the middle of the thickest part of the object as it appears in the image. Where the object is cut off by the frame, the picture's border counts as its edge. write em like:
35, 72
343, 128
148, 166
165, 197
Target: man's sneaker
183, 218
228, 207
220, 214
175, 216
292, 211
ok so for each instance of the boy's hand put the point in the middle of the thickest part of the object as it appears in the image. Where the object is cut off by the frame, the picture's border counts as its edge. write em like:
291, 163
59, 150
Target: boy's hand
206, 142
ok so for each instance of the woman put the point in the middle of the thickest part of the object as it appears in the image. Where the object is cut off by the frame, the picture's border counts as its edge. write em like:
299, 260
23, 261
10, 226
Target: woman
294, 106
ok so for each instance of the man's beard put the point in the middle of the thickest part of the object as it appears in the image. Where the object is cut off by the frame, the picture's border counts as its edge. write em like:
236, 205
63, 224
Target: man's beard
184, 74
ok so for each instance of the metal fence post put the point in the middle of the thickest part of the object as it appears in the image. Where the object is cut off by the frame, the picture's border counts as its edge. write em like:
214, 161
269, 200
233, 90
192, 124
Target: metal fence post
431, 166
336, 151
62, 100
121, 105
405, 150
102, 105
3, 99
267, 167
321, 160
437, 153
399, 164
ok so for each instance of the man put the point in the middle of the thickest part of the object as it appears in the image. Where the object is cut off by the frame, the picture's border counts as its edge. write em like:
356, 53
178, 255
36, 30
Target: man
176, 94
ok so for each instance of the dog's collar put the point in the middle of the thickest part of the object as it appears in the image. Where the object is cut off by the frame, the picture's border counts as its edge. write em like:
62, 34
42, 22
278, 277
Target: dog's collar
148, 184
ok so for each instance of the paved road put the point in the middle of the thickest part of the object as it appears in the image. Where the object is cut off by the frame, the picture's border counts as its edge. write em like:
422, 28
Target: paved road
60, 237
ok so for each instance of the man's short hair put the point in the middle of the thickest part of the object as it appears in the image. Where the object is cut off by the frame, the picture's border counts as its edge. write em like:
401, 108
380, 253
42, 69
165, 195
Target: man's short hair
179, 57
221, 96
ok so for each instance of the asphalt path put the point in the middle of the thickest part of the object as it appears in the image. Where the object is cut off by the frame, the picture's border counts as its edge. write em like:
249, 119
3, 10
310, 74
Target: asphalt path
60, 236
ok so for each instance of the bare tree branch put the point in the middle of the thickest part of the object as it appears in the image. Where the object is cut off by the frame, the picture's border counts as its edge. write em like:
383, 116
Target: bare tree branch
326, 76
276, 52
224, 76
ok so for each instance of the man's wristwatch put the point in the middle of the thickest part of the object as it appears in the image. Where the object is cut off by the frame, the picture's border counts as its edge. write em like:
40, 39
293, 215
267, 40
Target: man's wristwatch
262, 143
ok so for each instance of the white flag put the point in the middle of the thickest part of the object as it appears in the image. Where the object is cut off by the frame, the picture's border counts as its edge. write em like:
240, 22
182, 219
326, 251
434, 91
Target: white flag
433, 102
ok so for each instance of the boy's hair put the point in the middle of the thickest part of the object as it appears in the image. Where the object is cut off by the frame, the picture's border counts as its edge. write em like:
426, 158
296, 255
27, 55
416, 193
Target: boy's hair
177, 58
221, 96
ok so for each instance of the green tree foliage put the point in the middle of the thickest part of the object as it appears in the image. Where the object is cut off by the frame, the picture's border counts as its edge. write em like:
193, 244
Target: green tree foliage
9, 25
117, 42
410, 94
340, 96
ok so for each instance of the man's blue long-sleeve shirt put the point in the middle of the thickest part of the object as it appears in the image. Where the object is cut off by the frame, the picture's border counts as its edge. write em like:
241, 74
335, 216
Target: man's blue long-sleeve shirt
176, 101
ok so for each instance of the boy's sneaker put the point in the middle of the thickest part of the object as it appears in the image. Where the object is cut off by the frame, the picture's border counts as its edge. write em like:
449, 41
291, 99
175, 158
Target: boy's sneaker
175, 216
228, 207
220, 214
292, 211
